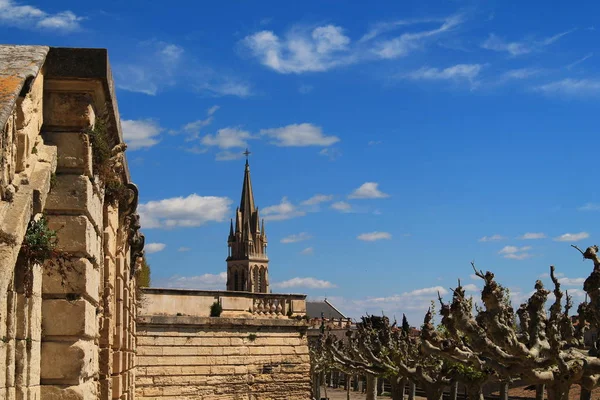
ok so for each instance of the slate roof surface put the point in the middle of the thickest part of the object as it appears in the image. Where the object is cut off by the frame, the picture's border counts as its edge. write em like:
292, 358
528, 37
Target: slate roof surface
17, 63
314, 309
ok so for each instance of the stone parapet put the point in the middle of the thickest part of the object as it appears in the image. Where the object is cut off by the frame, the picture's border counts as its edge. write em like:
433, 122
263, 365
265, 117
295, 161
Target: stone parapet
235, 304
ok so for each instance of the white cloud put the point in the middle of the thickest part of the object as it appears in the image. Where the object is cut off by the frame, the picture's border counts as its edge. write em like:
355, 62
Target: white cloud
368, 190
572, 281
457, 72
572, 237
433, 291
493, 238
228, 155
155, 66
471, 287
300, 237
310, 283
192, 129
189, 211
532, 236
579, 61
226, 86
406, 43
342, 206
297, 135
520, 73
571, 87
199, 282
317, 199
282, 211
373, 236
183, 249
590, 207
332, 153
140, 134
307, 251
228, 138
65, 21
326, 47
496, 43
301, 51
515, 253
26, 16
154, 247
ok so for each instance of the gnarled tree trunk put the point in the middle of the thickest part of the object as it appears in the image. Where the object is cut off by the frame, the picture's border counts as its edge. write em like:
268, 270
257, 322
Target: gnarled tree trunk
454, 391
398, 385
433, 391
412, 388
371, 387
475, 392
585, 394
539, 392
504, 391
558, 391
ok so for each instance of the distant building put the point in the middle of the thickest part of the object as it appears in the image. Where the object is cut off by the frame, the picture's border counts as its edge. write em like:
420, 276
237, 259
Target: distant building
318, 309
247, 261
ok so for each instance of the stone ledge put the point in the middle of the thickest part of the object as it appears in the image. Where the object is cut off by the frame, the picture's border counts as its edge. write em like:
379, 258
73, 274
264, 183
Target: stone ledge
218, 321
223, 293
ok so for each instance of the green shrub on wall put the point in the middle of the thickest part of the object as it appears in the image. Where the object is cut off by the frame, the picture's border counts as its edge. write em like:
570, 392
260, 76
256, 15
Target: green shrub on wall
216, 309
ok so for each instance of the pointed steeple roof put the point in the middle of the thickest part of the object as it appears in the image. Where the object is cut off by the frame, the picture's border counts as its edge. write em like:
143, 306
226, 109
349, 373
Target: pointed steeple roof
247, 201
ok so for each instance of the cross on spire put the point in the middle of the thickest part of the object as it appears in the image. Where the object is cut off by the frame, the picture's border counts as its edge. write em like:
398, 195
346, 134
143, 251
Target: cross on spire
247, 153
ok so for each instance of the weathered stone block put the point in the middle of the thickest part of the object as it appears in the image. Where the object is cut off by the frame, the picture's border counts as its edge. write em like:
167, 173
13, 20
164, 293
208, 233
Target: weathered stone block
68, 110
69, 363
117, 386
30, 108
22, 152
80, 277
86, 391
74, 194
69, 318
34, 362
74, 152
76, 235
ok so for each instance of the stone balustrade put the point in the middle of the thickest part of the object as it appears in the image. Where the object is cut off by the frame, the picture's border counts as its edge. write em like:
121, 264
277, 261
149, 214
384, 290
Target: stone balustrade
235, 304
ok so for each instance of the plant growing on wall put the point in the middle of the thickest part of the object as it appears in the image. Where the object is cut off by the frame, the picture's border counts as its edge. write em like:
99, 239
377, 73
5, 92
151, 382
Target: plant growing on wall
107, 162
216, 309
39, 247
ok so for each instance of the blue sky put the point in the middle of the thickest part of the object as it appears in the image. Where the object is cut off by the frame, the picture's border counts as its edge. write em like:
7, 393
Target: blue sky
391, 144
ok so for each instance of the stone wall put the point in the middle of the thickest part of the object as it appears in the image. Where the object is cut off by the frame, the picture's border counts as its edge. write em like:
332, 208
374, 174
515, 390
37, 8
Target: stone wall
67, 326
202, 358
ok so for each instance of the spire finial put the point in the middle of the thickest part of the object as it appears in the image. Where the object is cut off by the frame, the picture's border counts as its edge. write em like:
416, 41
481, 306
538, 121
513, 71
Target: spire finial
247, 153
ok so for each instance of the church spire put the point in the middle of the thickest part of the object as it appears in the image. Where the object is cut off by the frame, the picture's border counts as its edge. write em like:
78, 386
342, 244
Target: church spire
247, 201
247, 261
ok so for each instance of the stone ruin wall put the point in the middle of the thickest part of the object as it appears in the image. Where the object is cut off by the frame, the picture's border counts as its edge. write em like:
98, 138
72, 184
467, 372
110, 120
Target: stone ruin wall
244, 354
69, 332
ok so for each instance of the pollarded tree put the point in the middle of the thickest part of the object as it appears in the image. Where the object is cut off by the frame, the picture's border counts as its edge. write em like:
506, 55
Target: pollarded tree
463, 363
542, 350
355, 353
377, 348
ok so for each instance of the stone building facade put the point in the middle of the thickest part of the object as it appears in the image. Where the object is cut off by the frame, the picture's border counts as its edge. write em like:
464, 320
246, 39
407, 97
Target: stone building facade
71, 323
67, 312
